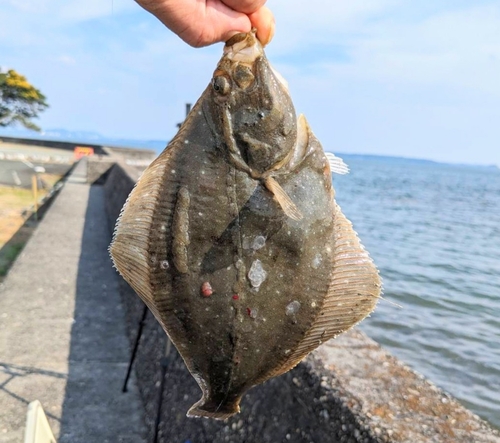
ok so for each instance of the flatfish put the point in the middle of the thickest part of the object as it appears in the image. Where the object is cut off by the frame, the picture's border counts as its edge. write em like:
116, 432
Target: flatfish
233, 239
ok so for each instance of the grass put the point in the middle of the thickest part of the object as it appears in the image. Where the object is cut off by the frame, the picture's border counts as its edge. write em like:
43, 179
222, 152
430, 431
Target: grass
16, 206
8, 255
13, 199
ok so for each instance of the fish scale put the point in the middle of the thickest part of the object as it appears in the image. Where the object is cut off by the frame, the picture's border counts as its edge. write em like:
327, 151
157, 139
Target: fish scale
233, 239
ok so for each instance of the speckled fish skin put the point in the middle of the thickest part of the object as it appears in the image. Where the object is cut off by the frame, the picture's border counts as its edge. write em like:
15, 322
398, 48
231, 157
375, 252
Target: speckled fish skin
233, 239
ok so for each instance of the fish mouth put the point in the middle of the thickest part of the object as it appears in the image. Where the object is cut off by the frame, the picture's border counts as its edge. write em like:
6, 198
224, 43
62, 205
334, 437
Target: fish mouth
239, 38
244, 47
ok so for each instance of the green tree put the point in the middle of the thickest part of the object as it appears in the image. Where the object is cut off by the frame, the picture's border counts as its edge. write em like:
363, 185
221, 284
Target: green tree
19, 101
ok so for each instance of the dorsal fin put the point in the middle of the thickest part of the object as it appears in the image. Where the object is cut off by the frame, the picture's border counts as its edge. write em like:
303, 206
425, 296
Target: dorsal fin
130, 246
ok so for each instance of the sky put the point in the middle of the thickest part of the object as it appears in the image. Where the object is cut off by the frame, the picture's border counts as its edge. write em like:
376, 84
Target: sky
405, 78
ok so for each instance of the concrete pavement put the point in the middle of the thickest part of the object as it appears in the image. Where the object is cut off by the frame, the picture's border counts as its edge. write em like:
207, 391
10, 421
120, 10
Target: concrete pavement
62, 331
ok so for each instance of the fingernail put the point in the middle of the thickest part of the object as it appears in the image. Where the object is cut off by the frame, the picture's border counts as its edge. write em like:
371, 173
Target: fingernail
271, 32
264, 40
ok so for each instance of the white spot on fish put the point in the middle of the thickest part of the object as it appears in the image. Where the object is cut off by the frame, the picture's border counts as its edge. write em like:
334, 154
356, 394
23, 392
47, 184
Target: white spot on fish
259, 242
317, 261
287, 351
246, 243
257, 274
186, 142
292, 308
164, 264
173, 171
313, 304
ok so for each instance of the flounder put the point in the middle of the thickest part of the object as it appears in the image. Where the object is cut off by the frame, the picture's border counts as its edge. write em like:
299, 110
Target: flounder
233, 238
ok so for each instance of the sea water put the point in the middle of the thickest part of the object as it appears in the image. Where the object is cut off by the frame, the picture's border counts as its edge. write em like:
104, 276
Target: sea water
434, 232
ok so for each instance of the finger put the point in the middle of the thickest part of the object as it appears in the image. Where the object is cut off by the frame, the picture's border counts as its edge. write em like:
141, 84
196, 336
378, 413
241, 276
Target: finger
219, 30
235, 27
246, 6
263, 20
222, 22
215, 22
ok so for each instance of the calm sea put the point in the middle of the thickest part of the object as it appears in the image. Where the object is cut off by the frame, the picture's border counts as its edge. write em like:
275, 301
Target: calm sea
434, 232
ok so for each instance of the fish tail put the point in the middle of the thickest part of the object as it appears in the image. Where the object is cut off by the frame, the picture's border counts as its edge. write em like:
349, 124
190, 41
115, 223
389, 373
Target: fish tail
213, 409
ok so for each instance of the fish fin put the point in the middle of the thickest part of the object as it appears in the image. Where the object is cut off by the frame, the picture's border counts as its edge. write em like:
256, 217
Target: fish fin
356, 285
352, 295
283, 199
305, 144
210, 409
337, 165
129, 248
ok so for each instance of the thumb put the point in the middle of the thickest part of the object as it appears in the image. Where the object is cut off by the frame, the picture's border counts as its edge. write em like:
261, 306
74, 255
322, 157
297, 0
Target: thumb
263, 20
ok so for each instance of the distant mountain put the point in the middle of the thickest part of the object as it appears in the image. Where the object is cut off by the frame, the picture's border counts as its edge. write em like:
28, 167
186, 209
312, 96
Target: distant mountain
387, 158
421, 161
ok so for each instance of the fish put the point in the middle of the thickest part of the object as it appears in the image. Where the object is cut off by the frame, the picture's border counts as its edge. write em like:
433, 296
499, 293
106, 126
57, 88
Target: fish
233, 238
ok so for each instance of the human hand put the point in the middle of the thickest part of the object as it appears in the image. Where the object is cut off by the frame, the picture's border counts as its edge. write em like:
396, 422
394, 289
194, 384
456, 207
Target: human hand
203, 22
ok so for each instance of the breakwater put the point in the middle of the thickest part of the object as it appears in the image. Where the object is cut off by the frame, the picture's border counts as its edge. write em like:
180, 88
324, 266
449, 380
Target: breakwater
434, 231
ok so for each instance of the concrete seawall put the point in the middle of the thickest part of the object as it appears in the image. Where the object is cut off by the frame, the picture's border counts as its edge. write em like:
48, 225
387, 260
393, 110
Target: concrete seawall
64, 320
348, 390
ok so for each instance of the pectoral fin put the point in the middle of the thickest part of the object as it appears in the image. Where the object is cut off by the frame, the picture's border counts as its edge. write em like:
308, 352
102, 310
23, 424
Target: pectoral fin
337, 165
283, 199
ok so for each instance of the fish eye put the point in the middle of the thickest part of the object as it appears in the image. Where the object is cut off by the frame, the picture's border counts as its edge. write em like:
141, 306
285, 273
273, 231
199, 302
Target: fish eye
243, 76
221, 85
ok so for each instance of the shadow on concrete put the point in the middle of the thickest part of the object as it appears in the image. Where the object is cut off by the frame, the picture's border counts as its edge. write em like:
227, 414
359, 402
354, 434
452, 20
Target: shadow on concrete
94, 408
17, 371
